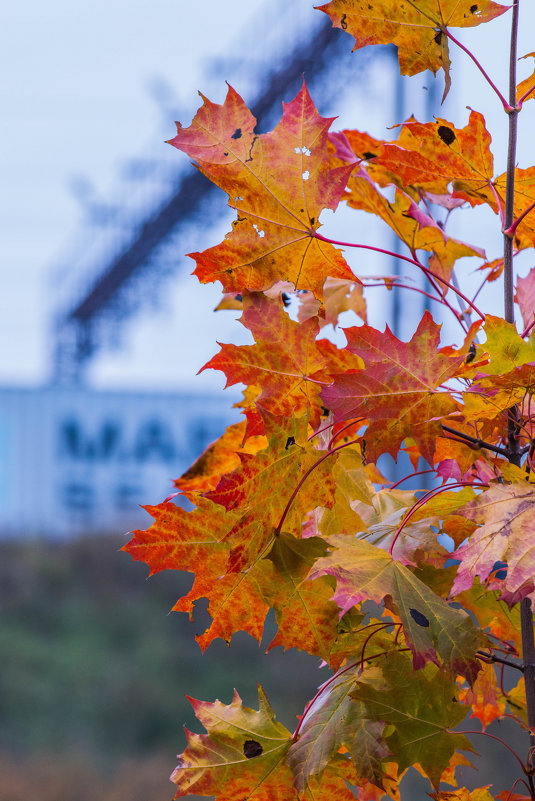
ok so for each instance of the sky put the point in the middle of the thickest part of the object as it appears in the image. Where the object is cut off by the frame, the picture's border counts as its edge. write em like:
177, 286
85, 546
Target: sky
88, 89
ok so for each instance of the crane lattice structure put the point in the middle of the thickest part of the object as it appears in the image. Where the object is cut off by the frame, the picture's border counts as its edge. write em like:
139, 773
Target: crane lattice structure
111, 293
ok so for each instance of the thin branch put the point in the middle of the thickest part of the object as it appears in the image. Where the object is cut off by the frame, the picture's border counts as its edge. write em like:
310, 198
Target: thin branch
491, 83
458, 292
489, 658
510, 175
480, 443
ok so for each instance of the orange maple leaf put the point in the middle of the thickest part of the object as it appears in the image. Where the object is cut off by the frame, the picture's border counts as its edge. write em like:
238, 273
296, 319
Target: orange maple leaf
417, 28
285, 361
248, 492
279, 183
398, 391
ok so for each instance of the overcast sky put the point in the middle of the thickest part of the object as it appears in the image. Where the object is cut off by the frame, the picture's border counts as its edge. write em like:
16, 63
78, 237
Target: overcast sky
78, 89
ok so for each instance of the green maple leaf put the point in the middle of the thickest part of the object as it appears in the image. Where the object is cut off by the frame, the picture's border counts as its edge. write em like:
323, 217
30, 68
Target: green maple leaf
335, 719
434, 630
421, 707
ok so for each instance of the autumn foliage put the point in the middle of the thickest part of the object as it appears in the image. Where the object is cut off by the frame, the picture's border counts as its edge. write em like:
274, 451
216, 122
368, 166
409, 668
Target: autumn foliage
417, 601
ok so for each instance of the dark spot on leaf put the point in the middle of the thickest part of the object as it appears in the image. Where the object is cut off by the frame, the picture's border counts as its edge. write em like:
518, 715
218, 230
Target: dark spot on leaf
471, 354
225, 154
289, 442
239, 297
312, 221
286, 299
438, 37
419, 618
236, 134
446, 134
473, 9
252, 749
302, 211
363, 450
368, 155
343, 23
324, 411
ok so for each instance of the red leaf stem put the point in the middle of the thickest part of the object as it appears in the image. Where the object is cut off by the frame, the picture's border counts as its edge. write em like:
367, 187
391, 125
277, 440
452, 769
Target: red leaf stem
308, 472
512, 228
498, 202
411, 475
423, 500
507, 108
494, 737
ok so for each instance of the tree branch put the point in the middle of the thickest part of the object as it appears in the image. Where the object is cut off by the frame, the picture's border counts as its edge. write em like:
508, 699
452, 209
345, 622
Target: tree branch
480, 443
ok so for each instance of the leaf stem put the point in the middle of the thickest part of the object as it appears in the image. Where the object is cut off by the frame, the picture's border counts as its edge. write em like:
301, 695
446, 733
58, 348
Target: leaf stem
494, 737
405, 286
344, 428
498, 200
505, 104
411, 475
423, 500
410, 260
510, 232
520, 101
527, 329
308, 472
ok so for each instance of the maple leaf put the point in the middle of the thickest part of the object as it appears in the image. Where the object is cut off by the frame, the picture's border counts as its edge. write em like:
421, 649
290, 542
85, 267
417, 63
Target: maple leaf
247, 492
417, 229
398, 391
524, 198
181, 540
433, 629
506, 534
218, 458
279, 183
305, 614
235, 603
485, 698
333, 720
434, 155
242, 754
285, 361
418, 29
421, 707
492, 614
464, 794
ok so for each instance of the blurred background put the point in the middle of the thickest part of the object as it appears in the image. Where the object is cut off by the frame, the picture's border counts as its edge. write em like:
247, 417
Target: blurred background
104, 329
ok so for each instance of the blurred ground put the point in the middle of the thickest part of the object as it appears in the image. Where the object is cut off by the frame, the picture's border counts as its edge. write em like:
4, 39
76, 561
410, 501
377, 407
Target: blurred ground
94, 672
